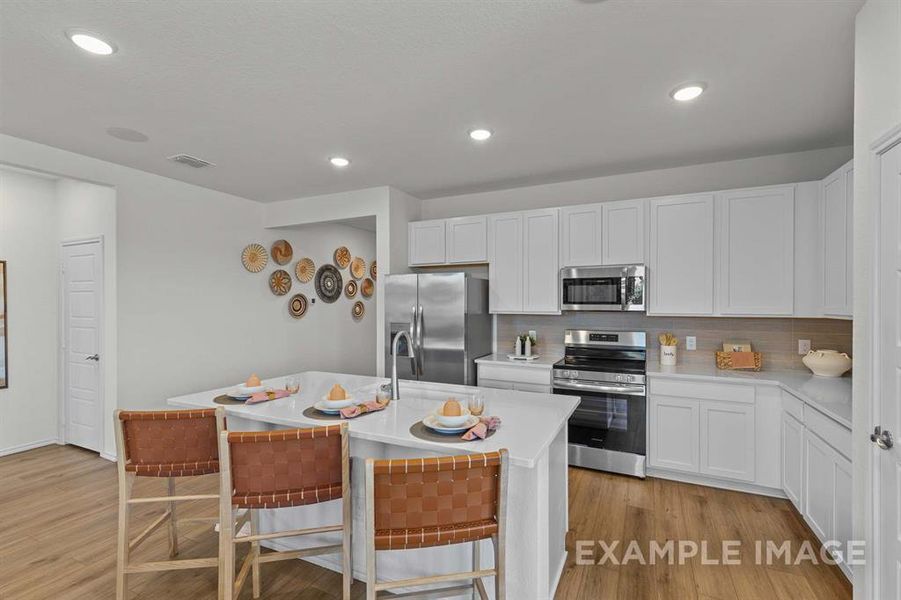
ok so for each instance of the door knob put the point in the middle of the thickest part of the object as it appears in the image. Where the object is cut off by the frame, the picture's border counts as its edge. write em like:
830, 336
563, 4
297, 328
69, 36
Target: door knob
94, 357
881, 438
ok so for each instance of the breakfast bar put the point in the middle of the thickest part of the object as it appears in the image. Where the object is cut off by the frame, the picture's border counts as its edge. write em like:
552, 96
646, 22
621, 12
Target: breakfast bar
533, 430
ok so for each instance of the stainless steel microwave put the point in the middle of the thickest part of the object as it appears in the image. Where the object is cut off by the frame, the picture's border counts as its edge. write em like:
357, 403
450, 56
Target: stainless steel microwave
614, 287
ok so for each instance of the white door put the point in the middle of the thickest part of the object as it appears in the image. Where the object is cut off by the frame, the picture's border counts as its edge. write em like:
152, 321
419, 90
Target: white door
756, 251
886, 410
541, 268
581, 233
505, 263
82, 326
624, 232
681, 261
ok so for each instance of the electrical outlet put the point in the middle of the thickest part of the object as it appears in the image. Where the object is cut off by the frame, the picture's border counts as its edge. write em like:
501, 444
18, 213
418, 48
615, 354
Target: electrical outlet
533, 334
691, 342
803, 346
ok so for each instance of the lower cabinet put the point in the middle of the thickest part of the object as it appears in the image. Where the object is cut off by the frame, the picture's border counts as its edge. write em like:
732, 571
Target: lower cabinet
827, 491
515, 377
728, 446
673, 439
793, 459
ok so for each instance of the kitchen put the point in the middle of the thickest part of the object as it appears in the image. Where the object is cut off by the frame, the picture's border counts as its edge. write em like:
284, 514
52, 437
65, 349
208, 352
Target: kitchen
608, 264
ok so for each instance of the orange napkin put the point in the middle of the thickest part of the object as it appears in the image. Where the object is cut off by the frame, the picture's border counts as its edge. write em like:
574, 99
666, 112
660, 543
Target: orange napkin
266, 396
481, 429
355, 410
742, 360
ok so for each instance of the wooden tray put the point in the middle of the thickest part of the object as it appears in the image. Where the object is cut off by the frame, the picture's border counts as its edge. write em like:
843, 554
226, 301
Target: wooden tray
724, 361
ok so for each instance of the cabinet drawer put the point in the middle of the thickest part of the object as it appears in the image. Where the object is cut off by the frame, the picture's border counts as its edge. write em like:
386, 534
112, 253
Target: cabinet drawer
793, 405
532, 387
515, 374
834, 434
495, 384
724, 392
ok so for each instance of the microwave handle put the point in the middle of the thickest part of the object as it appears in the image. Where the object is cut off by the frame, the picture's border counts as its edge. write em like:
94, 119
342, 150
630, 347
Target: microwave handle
622, 289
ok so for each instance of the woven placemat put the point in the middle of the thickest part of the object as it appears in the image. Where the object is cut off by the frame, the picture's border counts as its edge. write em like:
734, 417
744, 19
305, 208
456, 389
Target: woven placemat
226, 400
424, 433
311, 413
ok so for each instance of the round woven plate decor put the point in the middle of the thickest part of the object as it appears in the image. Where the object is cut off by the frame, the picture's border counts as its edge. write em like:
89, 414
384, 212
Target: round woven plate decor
358, 267
282, 252
298, 305
350, 290
305, 269
280, 282
328, 283
342, 257
367, 288
254, 258
358, 310
373, 270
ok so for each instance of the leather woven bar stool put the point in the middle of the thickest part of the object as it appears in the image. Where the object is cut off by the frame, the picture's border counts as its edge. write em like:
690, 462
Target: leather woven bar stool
278, 469
418, 503
168, 444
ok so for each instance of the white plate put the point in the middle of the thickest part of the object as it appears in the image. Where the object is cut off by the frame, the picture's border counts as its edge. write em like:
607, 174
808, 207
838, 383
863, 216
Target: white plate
336, 404
452, 422
432, 423
321, 407
243, 389
236, 395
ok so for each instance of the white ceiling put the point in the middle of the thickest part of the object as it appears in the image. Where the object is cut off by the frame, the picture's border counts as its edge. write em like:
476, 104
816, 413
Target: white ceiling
269, 90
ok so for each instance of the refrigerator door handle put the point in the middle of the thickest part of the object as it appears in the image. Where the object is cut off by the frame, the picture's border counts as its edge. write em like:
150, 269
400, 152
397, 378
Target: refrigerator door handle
419, 340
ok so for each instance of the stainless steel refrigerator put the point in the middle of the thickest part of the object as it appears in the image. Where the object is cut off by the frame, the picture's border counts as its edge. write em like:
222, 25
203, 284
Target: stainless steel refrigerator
446, 315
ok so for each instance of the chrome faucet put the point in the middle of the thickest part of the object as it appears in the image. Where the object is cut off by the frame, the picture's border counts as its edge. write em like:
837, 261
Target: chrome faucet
395, 387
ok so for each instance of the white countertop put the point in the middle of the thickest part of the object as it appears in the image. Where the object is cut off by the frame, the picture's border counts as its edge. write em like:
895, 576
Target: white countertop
530, 421
829, 395
544, 361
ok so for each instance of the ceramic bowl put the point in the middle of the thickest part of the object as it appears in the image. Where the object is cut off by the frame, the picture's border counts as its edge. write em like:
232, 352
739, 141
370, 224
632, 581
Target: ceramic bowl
336, 404
243, 389
457, 421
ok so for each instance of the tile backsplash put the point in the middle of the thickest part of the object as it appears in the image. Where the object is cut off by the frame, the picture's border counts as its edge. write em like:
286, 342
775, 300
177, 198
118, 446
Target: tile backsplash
776, 338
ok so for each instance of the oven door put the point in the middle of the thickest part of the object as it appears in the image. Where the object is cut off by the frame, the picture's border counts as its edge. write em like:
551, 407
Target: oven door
591, 289
607, 431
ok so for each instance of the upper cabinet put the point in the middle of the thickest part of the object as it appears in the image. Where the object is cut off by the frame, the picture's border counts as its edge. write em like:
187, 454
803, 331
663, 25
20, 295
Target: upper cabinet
609, 233
756, 251
523, 262
462, 240
427, 242
836, 237
681, 260
624, 232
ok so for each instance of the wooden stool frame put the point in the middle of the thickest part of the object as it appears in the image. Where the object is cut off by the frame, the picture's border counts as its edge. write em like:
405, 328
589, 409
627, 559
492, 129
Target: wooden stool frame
124, 546
477, 587
230, 585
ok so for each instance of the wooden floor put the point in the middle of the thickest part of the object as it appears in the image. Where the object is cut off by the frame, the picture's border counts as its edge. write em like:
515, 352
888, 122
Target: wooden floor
59, 530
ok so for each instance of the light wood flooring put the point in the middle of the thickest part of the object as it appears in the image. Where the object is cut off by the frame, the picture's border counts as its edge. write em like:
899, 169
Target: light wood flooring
59, 531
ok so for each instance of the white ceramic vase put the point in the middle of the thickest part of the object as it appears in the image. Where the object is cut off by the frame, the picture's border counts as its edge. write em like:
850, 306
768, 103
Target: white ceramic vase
668, 355
827, 363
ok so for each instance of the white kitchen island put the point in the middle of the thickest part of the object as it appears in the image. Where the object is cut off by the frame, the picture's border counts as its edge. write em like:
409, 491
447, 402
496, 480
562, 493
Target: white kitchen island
533, 430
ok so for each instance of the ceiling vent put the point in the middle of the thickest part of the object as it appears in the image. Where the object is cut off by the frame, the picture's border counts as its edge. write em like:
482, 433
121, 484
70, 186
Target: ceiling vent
191, 161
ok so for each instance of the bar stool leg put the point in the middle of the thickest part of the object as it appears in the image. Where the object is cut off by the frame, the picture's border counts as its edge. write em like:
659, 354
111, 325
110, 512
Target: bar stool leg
476, 561
173, 530
255, 548
500, 587
122, 554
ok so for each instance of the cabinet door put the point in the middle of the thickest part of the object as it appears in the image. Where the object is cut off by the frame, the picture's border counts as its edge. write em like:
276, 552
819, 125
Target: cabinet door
581, 228
836, 241
532, 387
623, 232
819, 486
467, 240
756, 251
793, 459
728, 440
673, 439
541, 268
495, 384
505, 268
427, 243
681, 261
842, 516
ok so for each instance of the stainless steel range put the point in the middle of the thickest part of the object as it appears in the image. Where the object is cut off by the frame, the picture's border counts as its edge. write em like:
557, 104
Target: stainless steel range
606, 369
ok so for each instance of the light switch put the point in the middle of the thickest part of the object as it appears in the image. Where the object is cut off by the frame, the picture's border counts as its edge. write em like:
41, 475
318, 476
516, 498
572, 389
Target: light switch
803, 346
691, 342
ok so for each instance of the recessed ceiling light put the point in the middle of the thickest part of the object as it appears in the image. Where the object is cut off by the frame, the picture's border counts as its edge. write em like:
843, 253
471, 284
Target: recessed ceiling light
688, 91
126, 134
480, 135
339, 161
90, 43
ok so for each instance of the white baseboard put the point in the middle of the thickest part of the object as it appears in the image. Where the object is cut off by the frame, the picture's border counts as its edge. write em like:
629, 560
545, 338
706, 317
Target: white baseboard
722, 484
109, 457
28, 446
556, 581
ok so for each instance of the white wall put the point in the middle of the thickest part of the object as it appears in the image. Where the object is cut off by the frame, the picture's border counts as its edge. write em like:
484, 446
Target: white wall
812, 165
28, 241
877, 109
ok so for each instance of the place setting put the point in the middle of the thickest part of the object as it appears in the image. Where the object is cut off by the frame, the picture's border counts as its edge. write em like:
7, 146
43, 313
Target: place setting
454, 423
339, 405
252, 391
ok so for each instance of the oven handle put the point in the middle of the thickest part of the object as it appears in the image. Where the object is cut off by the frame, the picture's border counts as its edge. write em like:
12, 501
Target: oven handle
626, 390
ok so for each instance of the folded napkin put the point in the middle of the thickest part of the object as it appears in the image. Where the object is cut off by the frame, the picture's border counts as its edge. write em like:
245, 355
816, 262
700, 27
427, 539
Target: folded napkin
355, 410
266, 396
481, 429
743, 360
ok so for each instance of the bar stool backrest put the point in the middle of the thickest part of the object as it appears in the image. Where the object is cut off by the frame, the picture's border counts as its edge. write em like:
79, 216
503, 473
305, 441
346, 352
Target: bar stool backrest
291, 467
170, 443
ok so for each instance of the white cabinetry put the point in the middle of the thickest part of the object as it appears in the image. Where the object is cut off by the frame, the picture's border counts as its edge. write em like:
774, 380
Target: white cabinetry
467, 240
681, 260
519, 377
523, 262
793, 459
581, 235
756, 251
427, 243
836, 239
727, 440
624, 232
673, 440
827, 490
